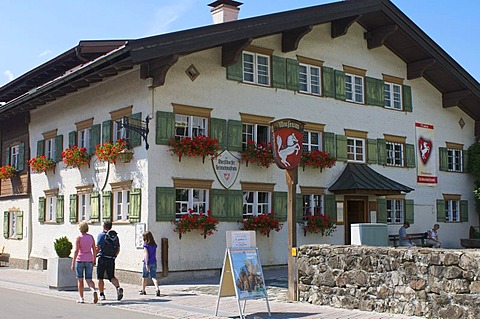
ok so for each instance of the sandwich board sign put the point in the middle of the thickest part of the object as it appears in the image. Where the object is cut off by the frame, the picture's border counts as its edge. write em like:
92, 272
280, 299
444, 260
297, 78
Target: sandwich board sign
242, 275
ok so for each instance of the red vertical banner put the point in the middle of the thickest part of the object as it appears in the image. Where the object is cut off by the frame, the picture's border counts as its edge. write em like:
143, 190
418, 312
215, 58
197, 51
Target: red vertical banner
426, 159
287, 142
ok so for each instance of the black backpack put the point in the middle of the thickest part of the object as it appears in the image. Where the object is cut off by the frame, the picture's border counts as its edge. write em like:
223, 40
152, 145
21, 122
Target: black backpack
111, 245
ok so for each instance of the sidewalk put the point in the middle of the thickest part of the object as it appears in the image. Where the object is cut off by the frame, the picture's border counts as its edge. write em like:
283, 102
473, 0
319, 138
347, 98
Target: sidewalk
189, 300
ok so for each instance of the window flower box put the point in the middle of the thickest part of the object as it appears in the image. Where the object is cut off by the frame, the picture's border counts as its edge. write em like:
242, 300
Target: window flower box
264, 223
76, 156
260, 153
108, 151
321, 223
317, 159
41, 164
201, 146
7, 171
192, 221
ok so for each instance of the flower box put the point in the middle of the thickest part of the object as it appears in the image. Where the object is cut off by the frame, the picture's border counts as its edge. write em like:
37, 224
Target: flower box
260, 153
200, 146
7, 171
263, 223
41, 164
317, 159
321, 223
108, 151
192, 221
76, 156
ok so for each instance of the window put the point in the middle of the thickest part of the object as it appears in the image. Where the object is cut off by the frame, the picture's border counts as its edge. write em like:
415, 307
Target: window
312, 205
255, 132
83, 138
312, 141
354, 88
395, 153
121, 203
15, 156
13, 223
455, 160
452, 210
50, 148
395, 211
256, 203
191, 200
309, 79
190, 126
356, 149
84, 206
256, 68
51, 208
393, 96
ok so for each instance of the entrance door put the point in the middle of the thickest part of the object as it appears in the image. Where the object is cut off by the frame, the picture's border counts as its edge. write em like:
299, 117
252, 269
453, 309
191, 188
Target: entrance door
356, 212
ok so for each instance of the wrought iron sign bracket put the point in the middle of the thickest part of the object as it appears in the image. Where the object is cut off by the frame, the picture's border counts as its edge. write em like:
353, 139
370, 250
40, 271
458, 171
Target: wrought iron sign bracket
135, 125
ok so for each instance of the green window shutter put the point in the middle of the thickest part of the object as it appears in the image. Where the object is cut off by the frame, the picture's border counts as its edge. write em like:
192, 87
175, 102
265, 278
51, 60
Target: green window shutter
410, 155
7, 156
234, 135
95, 207
41, 209
464, 211
443, 157
342, 148
372, 151
293, 73
375, 91
41, 148
5, 224
165, 208
329, 143
409, 211
331, 207
340, 93
381, 210
72, 139
280, 203
135, 139
19, 225
407, 98
382, 151
21, 156
60, 209
279, 72
135, 207
165, 127
218, 130
235, 71
73, 208
235, 205
218, 203
441, 216
107, 131
58, 148
328, 82
94, 138
107, 205
465, 161
299, 208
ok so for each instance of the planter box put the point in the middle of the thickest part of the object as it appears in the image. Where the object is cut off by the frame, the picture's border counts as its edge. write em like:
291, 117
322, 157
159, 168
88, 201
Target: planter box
59, 274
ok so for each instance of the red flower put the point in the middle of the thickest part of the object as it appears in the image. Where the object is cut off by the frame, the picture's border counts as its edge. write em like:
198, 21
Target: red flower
108, 151
191, 221
41, 164
75, 156
317, 159
198, 146
264, 223
319, 224
261, 153
7, 171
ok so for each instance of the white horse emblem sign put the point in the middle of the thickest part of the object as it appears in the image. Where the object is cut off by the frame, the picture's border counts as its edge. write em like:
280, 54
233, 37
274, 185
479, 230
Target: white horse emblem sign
287, 142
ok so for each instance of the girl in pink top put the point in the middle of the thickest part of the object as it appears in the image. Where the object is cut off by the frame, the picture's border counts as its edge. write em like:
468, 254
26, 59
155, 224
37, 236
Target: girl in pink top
84, 260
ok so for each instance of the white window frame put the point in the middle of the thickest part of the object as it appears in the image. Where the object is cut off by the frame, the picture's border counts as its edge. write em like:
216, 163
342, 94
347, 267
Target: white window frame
352, 154
84, 206
452, 210
190, 126
455, 160
51, 208
121, 205
308, 145
393, 96
251, 132
313, 205
395, 154
395, 211
50, 148
15, 156
83, 138
197, 201
354, 92
252, 204
310, 82
12, 225
120, 132
254, 71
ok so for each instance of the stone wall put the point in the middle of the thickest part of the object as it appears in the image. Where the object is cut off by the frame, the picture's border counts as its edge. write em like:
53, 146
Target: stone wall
439, 283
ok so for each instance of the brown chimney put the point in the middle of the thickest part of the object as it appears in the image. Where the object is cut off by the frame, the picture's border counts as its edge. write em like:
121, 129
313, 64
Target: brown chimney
224, 10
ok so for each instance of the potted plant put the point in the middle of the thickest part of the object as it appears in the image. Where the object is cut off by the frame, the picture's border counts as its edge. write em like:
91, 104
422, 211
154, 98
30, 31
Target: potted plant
41, 164
192, 221
317, 159
125, 155
260, 153
320, 223
7, 171
263, 223
200, 146
76, 156
59, 273
108, 151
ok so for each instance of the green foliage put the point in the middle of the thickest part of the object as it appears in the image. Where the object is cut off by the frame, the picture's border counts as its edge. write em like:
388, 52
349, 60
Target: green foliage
63, 247
473, 167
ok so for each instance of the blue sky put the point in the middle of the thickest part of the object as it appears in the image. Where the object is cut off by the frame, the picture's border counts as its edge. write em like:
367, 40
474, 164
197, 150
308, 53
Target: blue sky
33, 32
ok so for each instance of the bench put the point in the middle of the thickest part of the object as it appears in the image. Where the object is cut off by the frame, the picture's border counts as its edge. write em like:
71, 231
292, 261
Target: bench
4, 257
418, 239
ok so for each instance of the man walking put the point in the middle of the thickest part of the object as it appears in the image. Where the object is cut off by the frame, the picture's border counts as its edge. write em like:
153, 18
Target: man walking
108, 248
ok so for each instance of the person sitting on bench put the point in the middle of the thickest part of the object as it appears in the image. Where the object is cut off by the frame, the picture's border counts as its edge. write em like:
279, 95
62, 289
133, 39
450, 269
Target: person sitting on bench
432, 238
404, 238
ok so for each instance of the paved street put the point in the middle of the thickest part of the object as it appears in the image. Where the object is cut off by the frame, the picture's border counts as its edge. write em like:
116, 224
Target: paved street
186, 300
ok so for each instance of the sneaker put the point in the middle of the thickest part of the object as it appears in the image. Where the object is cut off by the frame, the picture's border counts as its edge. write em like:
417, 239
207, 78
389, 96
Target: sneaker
95, 297
158, 293
102, 296
119, 293
143, 292
80, 300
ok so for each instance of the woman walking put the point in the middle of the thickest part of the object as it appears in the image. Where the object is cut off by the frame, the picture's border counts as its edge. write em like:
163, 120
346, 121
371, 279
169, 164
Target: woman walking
84, 260
149, 262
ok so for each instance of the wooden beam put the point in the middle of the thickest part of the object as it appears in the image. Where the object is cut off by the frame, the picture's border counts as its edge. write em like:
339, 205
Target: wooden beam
416, 69
340, 27
450, 99
93, 78
291, 38
158, 68
231, 51
377, 37
111, 71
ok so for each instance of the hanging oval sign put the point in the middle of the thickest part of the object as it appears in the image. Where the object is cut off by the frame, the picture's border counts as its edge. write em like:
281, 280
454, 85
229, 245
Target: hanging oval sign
226, 167
287, 142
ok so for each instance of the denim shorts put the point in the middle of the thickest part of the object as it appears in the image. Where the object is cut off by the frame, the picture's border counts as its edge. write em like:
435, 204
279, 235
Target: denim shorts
84, 266
149, 274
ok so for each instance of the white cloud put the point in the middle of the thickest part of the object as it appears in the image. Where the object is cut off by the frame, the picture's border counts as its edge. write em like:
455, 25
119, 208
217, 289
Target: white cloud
44, 53
166, 15
9, 75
